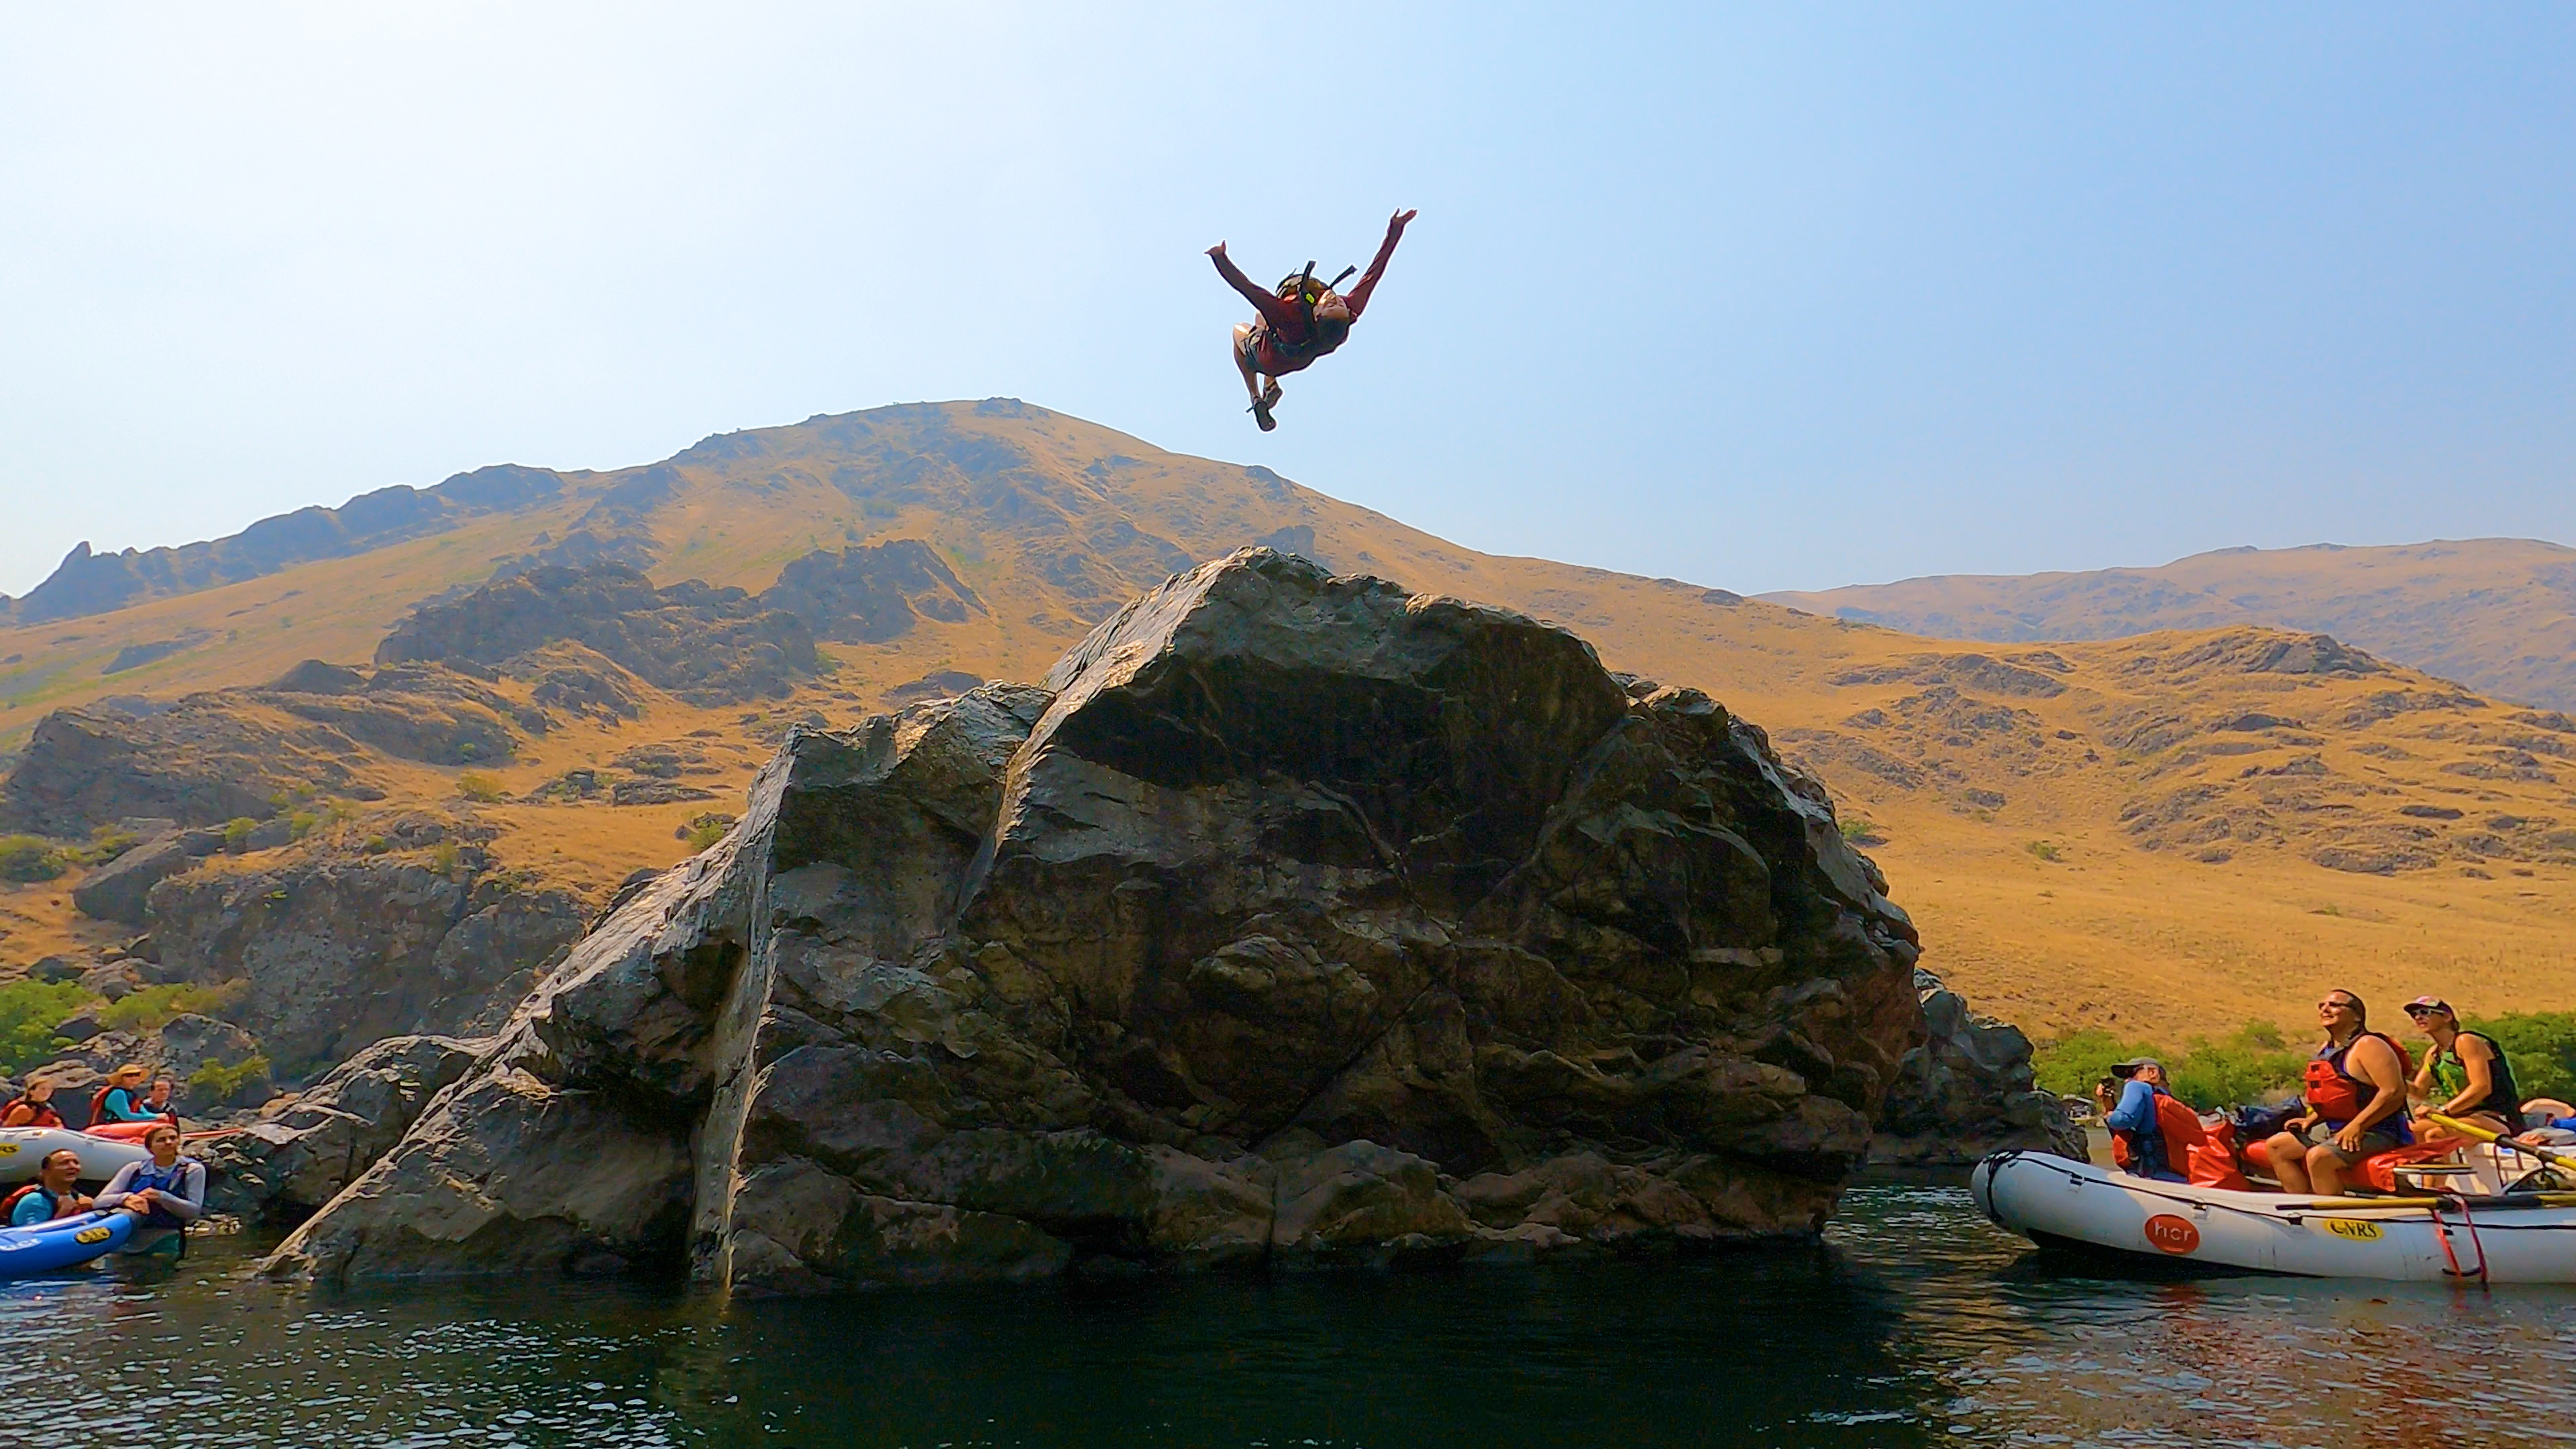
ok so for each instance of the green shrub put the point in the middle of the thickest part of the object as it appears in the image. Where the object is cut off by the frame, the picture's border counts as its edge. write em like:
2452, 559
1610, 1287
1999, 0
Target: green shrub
237, 831
477, 786
1860, 831
302, 822
2043, 849
442, 857
2251, 1065
2540, 1046
212, 1082
29, 1011
705, 830
25, 858
154, 1006
106, 843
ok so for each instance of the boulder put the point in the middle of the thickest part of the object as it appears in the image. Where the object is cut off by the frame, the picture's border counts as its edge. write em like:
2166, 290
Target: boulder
339, 950
1285, 909
113, 980
1966, 1089
304, 1149
188, 1045
118, 890
57, 969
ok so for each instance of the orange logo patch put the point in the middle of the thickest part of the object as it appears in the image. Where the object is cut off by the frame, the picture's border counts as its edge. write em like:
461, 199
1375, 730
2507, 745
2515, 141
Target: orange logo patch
2172, 1234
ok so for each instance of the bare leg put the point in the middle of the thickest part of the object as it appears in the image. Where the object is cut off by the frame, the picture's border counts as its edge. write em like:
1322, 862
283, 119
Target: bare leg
1243, 360
2325, 1172
2289, 1162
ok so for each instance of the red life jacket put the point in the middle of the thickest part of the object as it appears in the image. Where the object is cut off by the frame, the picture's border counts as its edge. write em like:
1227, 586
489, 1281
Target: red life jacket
2176, 1124
2337, 1096
2213, 1162
10, 1203
40, 1114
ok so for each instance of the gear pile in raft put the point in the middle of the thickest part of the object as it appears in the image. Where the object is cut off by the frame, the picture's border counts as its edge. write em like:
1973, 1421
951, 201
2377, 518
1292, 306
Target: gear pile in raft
2469, 1183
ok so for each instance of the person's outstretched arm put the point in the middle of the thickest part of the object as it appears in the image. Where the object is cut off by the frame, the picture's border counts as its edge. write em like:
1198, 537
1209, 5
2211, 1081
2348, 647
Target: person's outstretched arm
1282, 315
1358, 296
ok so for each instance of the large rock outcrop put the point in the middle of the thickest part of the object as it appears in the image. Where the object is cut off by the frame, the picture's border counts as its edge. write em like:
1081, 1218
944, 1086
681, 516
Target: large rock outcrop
1967, 1089
1291, 919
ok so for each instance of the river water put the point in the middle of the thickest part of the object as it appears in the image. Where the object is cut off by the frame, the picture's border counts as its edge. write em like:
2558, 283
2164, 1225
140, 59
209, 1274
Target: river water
1916, 1323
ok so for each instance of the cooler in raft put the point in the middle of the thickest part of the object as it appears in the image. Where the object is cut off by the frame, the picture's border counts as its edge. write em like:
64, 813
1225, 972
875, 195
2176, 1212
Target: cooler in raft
2497, 1237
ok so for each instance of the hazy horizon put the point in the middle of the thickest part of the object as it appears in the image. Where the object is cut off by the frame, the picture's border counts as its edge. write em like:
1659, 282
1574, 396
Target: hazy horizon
1764, 301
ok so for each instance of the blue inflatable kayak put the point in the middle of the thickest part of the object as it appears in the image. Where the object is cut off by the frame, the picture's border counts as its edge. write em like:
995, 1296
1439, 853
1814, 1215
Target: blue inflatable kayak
63, 1242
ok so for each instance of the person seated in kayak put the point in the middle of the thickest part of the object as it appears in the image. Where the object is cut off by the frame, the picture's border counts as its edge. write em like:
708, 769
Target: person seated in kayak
34, 1107
1301, 319
167, 1192
2355, 1099
121, 1100
2152, 1134
2465, 1075
54, 1193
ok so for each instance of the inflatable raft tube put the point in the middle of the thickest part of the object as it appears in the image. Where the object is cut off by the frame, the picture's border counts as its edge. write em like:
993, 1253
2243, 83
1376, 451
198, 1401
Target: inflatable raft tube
22, 1148
62, 1243
2062, 1204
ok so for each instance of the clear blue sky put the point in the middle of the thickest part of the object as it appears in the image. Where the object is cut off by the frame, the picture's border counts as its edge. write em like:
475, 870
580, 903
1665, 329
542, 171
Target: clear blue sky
1777, 297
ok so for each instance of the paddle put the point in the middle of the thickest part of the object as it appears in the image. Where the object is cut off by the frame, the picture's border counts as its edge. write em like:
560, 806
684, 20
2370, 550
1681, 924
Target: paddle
2472, 1129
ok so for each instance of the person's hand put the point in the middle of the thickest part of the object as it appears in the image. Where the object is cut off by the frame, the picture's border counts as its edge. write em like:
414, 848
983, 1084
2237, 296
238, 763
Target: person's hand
1217, 251
1395, 227
85, 1203
2348, 1141
137, 1206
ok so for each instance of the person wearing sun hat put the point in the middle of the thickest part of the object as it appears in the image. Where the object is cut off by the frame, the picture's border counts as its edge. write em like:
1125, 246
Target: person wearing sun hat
2465, 1075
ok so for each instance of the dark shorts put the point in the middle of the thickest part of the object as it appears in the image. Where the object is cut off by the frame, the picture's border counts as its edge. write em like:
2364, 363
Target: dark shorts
2373, 1142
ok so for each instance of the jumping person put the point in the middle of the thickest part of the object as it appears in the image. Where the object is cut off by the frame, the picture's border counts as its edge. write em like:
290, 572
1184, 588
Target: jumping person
1301, 319
2355, 1099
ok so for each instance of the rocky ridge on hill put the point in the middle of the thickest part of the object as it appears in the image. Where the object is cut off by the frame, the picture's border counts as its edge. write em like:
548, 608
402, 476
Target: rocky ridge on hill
1289, 919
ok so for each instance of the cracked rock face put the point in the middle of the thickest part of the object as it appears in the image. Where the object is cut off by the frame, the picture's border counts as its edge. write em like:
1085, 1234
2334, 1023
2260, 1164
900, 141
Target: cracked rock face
1290, 919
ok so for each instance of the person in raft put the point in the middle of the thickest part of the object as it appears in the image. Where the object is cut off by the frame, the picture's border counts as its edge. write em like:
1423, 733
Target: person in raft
167, 1192
2465, 1075
1301, 319
52, 1195
34, 1107
156, 1102
2355, 1099
2152, 1134
121, 1100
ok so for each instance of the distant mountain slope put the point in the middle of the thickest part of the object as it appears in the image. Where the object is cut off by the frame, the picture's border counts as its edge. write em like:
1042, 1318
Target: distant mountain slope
2498, 614
2169, 833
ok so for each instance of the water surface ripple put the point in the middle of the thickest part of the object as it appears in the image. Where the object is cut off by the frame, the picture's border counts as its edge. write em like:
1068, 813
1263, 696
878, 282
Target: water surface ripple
1918, 1323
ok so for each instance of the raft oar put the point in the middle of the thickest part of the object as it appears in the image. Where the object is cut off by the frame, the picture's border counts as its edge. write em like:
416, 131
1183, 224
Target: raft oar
2472, 1129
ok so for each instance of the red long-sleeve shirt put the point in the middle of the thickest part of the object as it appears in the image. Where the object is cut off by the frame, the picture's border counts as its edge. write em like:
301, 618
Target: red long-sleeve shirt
1281, 345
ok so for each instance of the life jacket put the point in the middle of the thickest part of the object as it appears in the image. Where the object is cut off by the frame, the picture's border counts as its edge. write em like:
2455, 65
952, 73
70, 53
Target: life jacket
2337, 1096
9, 1204
2167, 1149
2451, 1078
172, 1180
40, 1114
2212, 1163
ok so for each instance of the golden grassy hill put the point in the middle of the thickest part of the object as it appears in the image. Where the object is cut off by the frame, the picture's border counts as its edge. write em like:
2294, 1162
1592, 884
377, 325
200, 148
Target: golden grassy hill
2497, 614
2168, 834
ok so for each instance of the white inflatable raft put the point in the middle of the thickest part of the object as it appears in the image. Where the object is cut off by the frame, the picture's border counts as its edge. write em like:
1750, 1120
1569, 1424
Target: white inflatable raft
22, 1148
2062, 1204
